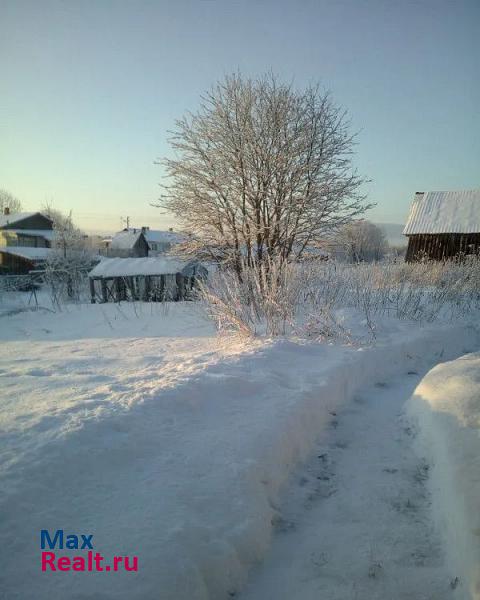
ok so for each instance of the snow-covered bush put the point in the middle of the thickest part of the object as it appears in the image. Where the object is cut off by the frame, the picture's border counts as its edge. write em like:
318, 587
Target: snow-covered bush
279, 298
263, 300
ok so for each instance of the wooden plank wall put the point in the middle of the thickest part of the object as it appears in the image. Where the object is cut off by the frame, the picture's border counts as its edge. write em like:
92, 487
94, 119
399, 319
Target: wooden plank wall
442, 246
148, 288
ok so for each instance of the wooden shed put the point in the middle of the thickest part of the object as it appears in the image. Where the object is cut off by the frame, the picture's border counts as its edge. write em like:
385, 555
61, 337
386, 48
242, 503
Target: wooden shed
443, 225
17, 260
150, 279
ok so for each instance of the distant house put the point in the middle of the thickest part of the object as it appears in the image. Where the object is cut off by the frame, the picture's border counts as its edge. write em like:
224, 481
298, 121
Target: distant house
151, 279
130, 243
161, 242
25, 241
443, 225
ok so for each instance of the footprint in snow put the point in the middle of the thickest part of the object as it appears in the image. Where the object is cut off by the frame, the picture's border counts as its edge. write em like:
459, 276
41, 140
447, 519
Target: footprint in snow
38, 373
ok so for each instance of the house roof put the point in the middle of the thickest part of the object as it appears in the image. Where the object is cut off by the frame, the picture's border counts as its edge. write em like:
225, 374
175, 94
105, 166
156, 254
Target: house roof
125, 267
15, 217
444, 212
33, 254
159, 236
125, 240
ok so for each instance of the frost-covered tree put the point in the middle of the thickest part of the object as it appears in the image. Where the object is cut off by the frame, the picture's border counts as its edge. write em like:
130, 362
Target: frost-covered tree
363, 241
67, 236
262, 170
8, 200
68, 263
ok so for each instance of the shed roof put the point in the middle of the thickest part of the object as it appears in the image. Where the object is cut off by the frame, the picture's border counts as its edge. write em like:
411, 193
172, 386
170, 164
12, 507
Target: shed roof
444, 212
30, 253
126, 267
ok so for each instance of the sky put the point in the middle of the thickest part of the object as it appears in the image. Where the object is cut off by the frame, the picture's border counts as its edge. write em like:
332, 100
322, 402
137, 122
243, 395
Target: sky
89, 90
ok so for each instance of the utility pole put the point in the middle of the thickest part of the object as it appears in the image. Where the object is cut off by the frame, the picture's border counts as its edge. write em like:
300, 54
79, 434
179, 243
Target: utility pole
126, 220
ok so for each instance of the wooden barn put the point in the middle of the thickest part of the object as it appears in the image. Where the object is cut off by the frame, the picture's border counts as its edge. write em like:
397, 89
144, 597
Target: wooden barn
443, 225
150, 279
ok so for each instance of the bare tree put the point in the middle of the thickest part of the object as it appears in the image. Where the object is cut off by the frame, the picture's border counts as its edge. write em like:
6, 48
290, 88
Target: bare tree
363, 241
9, 201
262, 170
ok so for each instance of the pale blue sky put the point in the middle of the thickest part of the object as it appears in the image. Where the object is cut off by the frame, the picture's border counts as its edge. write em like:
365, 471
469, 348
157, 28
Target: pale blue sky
90, 88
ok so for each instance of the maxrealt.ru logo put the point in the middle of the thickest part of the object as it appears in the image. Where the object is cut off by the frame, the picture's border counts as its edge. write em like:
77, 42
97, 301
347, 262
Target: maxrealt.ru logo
88, 561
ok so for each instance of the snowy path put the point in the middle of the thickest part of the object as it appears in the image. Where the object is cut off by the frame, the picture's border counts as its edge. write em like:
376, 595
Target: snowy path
356, 523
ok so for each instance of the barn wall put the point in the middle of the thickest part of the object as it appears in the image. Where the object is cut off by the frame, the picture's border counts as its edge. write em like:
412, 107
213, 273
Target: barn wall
442, 246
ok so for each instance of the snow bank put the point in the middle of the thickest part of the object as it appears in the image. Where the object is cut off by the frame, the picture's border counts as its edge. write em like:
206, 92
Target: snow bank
184, 472
446, 405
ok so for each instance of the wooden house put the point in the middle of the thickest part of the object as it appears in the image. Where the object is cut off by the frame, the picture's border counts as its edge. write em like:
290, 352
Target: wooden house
443, 225
129, 243
150, 279
25, 241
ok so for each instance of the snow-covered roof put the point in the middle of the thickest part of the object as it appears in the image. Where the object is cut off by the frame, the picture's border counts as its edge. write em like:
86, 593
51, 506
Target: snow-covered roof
125, 267
15, 217
48, 234
27, 252
158, 236
125, 240
444, 212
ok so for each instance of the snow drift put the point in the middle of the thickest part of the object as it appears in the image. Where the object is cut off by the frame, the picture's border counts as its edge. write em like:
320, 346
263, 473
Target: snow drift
446, 406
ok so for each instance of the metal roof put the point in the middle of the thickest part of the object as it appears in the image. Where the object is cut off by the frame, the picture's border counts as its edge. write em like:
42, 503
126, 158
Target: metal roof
444, 212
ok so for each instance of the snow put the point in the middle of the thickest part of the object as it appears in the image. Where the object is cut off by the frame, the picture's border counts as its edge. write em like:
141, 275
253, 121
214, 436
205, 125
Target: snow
30, 253
446, 405
137, 425
444, 212
124, 267
355, 522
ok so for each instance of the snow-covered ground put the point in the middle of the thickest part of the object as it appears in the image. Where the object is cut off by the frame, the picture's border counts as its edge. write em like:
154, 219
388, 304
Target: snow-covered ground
139, 426
446, 406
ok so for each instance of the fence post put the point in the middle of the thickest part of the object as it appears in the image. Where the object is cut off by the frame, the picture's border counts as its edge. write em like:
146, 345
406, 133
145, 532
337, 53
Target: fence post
103, 284
92, 290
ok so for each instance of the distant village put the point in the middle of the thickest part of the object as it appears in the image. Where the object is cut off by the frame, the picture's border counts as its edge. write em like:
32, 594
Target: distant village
26, 240
142, 263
